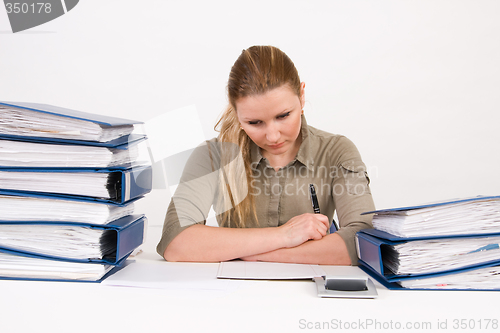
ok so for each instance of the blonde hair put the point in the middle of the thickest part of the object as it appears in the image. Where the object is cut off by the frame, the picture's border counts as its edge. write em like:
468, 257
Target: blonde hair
257, 70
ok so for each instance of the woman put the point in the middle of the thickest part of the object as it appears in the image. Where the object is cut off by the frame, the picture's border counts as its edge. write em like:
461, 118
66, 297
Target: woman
260, 190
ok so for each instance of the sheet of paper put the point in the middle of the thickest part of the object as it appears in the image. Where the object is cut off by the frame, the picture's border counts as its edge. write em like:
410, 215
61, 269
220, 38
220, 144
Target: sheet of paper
168, 275
267, 271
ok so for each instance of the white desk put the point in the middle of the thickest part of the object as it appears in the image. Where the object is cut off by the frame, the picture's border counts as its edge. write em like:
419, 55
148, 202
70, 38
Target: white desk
254, 306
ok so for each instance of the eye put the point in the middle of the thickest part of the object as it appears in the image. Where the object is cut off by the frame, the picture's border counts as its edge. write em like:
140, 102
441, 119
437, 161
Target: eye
284, 115
254, 122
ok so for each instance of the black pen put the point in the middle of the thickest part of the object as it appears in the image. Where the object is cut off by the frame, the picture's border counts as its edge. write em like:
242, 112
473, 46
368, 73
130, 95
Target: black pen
314, 199
315, 204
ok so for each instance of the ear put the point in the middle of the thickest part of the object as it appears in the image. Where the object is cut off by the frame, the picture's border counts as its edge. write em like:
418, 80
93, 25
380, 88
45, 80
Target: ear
302, 94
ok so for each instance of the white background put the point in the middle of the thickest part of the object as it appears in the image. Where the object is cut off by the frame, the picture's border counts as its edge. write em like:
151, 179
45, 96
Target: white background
415, 84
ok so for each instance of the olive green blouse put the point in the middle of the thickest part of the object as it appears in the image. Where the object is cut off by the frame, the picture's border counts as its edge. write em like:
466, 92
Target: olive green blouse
330, 162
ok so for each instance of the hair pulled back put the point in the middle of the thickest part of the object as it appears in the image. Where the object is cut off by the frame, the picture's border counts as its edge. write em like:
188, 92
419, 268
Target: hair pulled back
257, 70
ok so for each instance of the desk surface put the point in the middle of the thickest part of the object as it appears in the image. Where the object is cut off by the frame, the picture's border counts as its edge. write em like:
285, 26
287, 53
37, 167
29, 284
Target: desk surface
247, 306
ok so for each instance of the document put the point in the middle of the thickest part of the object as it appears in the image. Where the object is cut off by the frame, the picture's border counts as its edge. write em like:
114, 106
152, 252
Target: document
454, 217
34, 154
118, 184
169, 275
48, 121
437, 255
24, 208
22, 267
486, 278
75, 242
250, 270
78, 242
90, 184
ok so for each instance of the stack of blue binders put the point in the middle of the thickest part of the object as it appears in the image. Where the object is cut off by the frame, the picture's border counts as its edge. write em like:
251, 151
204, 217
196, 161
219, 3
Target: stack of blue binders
450, 245
68, 184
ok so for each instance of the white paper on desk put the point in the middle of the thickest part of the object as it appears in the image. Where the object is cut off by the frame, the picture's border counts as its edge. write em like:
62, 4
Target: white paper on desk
267, 271
168, 275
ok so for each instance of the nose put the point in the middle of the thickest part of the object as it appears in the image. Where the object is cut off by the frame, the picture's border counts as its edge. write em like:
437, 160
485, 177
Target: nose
273, 133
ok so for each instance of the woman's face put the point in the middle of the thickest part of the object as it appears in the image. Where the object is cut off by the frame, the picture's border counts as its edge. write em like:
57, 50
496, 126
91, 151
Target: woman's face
272, 120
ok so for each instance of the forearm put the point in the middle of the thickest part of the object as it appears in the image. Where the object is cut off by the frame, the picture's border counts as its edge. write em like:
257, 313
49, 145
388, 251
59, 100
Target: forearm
201, 243
330, 250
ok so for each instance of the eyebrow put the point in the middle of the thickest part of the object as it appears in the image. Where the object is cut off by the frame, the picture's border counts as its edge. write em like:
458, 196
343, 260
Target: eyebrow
290, 109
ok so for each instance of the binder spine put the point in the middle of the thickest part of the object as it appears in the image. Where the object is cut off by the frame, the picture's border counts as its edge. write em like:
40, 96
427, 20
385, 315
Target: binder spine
128, 239
136, 182
370, 252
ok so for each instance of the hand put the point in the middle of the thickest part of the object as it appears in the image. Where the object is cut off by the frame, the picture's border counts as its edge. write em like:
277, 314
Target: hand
302, 228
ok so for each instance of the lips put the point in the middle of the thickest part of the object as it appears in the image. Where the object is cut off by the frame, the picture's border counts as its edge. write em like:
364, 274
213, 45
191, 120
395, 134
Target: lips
276, 146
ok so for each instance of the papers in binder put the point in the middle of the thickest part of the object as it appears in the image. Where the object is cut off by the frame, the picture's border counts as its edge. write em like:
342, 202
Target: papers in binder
23, 267
485, 278
47, 121
456, 217
114, 184
33, 154
69, 241
436, 255
24, 208
446, 245
395, 257
71, 183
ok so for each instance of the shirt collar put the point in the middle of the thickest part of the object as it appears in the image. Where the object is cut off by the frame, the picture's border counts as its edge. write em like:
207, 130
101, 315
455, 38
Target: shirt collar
303, 155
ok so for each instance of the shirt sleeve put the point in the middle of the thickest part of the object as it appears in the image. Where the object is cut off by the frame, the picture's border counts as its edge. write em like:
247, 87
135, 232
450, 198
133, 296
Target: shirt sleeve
194, 195
352, 195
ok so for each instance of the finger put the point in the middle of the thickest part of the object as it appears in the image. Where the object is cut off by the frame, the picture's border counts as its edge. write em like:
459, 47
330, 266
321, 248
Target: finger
323, 224
312, 231
325, 220
322, 229
317, 235
319, 231
321, 218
